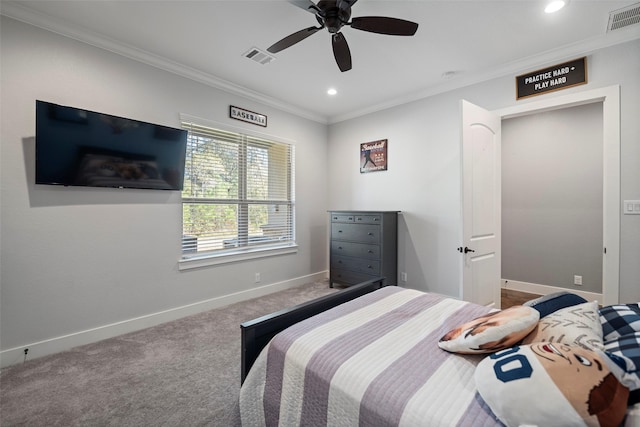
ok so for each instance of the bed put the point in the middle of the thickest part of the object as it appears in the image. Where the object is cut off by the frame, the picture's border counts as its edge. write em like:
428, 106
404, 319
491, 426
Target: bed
368, 356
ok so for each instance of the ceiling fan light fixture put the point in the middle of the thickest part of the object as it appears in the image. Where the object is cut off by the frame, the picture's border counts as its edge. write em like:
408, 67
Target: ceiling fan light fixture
331, 92
554, 6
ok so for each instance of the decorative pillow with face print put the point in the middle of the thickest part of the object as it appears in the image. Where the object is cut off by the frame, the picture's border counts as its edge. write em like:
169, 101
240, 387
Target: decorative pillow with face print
492, 332
551, 384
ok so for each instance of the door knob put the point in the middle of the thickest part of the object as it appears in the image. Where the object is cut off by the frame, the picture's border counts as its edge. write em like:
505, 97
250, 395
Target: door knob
465, 249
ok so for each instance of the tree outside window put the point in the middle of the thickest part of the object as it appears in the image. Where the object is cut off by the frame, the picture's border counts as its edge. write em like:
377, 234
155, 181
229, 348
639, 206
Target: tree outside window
238, 192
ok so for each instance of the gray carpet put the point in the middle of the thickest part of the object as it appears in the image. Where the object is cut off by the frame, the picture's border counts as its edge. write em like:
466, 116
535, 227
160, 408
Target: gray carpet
181, 373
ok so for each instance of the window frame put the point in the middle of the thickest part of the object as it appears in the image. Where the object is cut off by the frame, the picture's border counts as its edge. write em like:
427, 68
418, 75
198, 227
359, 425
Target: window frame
249, 252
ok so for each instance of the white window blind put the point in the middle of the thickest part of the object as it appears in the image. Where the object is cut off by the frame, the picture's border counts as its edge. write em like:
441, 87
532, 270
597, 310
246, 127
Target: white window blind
238, 192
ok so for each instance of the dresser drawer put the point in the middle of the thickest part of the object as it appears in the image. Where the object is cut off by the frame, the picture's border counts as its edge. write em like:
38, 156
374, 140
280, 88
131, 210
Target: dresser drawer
364, 233
368, 219
349, 277
360, 250
368, 266
342, 217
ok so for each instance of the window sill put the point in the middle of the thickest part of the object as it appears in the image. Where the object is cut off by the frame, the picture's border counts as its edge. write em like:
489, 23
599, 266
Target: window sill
198, 261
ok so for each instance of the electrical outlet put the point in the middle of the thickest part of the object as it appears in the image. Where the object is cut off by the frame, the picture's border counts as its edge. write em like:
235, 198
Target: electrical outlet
257, 277
577, 280
403, 276
632, 207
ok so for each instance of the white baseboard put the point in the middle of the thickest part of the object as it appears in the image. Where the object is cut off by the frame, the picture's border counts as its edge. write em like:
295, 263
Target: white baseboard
534, 288
16, 355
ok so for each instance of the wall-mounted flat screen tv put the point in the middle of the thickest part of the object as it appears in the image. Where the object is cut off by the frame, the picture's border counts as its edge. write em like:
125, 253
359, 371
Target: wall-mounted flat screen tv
76, 147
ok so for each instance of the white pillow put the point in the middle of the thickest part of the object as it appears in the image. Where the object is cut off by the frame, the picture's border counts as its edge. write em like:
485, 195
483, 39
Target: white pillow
575, 325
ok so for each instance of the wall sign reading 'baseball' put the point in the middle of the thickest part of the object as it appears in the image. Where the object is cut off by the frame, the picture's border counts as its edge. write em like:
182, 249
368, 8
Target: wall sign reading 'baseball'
247, 116
561, 76
373, 156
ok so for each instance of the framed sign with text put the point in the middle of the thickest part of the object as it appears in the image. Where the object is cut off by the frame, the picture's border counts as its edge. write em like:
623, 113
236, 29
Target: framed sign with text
247, 116
373, 156
561, 76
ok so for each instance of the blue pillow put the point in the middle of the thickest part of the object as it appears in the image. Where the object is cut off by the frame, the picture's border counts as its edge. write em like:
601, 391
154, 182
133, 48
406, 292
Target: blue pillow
550, 303
618, 320
624, 351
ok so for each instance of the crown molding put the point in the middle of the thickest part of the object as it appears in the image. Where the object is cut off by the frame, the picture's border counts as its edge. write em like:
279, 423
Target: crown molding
582, 48
46, 22
467, 78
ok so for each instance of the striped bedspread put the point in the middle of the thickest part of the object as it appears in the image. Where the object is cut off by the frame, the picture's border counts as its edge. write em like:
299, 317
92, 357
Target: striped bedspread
373, 361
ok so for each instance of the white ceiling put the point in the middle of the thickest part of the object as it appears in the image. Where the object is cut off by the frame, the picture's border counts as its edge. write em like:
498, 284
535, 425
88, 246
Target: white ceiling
205, 40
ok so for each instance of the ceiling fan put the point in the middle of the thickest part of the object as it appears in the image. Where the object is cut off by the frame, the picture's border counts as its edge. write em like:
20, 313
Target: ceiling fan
333, 15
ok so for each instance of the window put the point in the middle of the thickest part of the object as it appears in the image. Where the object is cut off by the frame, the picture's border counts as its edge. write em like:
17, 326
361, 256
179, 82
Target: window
238, 193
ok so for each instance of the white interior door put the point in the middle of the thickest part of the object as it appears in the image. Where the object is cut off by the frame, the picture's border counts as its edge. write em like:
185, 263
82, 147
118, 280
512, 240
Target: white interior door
481, 205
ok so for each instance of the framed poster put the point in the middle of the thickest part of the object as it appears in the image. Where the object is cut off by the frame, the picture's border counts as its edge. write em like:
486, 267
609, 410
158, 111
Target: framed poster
373, 156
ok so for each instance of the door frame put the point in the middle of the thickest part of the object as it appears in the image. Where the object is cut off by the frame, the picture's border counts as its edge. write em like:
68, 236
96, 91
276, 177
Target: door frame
610, 98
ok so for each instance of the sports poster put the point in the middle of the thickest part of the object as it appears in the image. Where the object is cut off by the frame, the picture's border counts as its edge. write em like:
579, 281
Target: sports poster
373, 156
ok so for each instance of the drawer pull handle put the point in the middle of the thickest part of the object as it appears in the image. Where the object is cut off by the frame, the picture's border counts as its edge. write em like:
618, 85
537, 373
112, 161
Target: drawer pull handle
370, 234
335, 217
376, 219
359, 219
370, 251
339, 231
368, 266
339, 247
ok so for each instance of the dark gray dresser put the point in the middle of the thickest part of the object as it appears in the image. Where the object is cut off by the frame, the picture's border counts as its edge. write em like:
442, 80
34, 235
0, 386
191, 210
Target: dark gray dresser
364, 245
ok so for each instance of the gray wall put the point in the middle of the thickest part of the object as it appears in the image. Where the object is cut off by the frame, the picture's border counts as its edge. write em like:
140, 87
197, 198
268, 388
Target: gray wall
423, 179
552, 210
75, 259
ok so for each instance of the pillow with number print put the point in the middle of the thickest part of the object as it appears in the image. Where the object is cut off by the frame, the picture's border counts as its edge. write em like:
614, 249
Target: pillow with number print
547, 384
491, 332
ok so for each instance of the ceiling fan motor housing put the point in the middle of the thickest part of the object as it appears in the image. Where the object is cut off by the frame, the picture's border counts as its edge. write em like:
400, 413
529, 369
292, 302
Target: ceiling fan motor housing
331, 16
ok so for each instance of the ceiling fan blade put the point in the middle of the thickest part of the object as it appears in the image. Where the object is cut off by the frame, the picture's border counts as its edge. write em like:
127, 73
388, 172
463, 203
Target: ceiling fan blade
307, 5
384, 25
292, 39
341, 52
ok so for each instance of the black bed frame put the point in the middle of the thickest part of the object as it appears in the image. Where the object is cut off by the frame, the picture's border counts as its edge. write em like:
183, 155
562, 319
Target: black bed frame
257, 333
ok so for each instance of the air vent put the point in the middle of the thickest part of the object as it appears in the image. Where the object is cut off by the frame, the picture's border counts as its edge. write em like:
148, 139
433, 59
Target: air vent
624, 17
258, 55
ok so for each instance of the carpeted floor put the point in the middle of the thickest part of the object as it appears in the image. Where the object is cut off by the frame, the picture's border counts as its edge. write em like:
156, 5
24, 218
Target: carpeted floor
181, 373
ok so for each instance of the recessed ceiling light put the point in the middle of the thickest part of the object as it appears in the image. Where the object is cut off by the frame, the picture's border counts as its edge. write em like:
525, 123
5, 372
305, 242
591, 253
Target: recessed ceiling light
554, 6
332, 92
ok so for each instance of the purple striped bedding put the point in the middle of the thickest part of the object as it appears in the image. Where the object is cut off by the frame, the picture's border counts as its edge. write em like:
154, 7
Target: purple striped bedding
373, 361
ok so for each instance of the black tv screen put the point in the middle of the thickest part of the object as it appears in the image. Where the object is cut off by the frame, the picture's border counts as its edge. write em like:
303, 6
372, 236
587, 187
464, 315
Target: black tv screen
86, 148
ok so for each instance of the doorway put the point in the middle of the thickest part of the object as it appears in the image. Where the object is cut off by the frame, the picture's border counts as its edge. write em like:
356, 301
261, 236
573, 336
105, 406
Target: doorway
609, 99
552, 221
